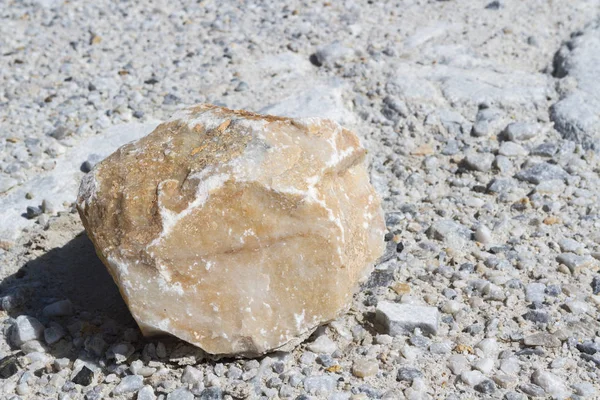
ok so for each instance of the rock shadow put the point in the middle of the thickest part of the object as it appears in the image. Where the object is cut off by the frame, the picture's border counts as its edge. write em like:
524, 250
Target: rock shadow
72, 272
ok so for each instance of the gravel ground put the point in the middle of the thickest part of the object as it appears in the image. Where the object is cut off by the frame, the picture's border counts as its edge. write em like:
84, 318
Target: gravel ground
482, 120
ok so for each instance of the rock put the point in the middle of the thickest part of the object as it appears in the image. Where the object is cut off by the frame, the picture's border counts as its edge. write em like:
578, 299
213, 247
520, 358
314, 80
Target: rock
137, 367
452, 147
407, 374
505, 381
394, 109
472, 378
449, 231
535, 292
486, 386
247, 180
519, 131
485, 365
541, 172
48, 206
552, 384
8, 367
584, 389
488, 346
501, 185
129, 384
457, 363
537, 316
32, 212
61, 363
511, 149
568, 245
365, 368
25, 329
331, 55
532, 390
545, 150
146, 393
33, 346
60, 308
320, 384
400, 319
91, 162
120, 352
241, 87
211, 393
596, 284
488, 121
577, 306
191, 375
483, 234
542, 339
574, 262
84, 377
323, 345
308, 358
180, 394
479, 161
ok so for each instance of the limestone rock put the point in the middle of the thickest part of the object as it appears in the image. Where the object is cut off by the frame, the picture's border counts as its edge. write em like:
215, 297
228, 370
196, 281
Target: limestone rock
237, 232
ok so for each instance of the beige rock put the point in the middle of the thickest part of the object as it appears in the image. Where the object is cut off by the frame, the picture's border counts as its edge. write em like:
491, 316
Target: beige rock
236, 232
364, 368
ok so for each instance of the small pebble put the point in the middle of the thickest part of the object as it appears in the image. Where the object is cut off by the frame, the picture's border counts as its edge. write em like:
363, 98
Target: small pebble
365, 368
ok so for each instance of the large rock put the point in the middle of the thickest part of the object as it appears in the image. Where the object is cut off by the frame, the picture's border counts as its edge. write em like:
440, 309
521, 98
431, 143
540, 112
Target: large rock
237, 232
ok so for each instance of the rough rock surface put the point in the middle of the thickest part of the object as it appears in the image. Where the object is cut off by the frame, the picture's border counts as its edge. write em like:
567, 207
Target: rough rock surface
577, 115
236, 232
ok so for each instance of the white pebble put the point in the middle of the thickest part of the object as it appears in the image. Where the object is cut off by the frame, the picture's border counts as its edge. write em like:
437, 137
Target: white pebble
25, 329
472, 378
146, 393
551, 383
488, 346
485, 365
323, 345
191, 375
399, 319
483, 234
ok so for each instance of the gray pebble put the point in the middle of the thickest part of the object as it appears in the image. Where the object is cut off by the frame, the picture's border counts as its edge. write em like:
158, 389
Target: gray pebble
60, 308
33, 212
241, 87
479, 161
541, 172
486, 387
91, 162
542, 339
407, 374
519, 131
211, 393
545, 150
